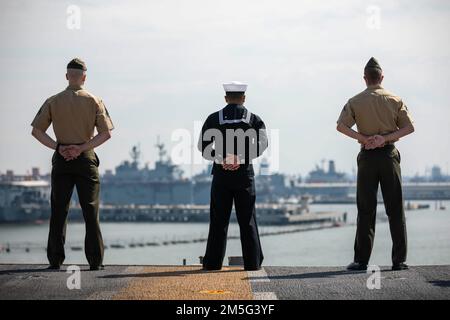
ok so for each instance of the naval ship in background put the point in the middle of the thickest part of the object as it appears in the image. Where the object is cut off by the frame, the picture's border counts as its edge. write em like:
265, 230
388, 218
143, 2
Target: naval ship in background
131, 184
139, 193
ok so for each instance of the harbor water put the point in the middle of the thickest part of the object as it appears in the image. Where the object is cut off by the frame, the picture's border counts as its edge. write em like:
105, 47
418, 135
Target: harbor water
428, 241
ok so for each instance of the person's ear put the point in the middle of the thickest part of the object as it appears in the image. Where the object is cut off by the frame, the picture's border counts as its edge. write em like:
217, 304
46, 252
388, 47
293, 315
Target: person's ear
226, 99
243, 98
67, 77
382, 78
84, 77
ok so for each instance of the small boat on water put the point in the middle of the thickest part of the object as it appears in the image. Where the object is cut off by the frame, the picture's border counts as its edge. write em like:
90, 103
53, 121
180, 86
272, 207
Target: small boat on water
117, 246
417, 206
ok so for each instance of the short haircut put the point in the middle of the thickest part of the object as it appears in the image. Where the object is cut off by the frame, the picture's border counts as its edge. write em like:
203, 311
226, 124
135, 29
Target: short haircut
373, 75
235, 95
76, 71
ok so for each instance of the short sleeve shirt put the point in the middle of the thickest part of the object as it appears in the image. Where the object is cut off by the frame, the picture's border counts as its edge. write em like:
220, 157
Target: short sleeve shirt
375, 111
74, 113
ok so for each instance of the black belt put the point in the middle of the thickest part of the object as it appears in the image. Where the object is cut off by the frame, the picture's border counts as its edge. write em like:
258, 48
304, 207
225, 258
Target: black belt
70, 144
386, 146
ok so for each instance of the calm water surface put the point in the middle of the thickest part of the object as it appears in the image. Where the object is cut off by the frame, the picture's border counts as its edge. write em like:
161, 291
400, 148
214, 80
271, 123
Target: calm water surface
428, 241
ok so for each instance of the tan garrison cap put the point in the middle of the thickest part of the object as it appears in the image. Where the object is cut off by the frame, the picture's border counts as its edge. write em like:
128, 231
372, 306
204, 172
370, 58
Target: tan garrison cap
373, 64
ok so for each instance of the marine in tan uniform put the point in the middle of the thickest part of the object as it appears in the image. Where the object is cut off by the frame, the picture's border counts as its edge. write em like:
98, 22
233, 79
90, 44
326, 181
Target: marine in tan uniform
381, 119
74, 113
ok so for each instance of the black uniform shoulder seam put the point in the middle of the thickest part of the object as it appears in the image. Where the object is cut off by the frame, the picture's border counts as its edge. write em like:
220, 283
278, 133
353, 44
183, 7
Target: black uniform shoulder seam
213, 118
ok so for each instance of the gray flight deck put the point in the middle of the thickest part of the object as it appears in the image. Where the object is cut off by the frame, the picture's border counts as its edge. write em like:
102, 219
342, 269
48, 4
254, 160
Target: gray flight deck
189, 282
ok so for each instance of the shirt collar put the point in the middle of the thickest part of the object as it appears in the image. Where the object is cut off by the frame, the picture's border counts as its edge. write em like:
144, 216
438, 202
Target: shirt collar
234, 105
374, 87
74, 87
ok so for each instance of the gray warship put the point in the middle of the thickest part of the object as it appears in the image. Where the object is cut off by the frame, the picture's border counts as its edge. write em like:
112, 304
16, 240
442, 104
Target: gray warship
162, 194
24, 201
136, 193
165, 184
131, 184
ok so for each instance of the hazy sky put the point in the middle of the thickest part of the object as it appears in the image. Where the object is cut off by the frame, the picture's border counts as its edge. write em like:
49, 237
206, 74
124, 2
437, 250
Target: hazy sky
159, 66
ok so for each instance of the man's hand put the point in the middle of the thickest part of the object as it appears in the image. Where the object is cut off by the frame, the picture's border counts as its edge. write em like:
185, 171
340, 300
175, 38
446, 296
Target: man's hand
363, 140
70, 152
231, 162
64, 152
376, 141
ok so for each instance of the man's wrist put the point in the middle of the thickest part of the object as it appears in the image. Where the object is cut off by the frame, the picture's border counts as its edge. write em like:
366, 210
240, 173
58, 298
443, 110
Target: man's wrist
84, 147
388, 138
360, 137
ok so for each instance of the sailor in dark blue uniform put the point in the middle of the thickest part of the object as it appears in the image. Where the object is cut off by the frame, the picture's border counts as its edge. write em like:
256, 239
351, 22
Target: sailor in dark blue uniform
232, 138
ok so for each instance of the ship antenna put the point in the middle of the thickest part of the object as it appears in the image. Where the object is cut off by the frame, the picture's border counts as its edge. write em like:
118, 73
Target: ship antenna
322, 162
135, 153
161, 150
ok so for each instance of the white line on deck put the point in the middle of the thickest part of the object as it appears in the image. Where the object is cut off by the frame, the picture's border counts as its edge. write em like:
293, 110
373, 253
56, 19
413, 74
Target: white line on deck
265, 296
257, 277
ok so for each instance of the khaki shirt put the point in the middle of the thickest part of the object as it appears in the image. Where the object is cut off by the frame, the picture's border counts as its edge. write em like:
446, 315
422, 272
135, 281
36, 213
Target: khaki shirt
375, 111
74, 113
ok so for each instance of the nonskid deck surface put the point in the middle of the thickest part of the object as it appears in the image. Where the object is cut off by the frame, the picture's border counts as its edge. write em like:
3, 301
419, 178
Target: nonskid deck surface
191, 283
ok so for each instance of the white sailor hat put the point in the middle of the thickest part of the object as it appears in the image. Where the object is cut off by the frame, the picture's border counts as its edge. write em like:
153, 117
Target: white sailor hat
235, 86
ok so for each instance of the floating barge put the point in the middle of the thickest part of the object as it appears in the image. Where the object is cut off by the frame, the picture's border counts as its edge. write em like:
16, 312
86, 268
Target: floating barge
267, 214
